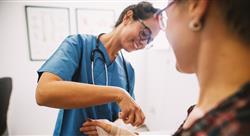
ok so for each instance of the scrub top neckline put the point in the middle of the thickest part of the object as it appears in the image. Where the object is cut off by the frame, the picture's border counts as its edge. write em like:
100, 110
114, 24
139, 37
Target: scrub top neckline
105, 52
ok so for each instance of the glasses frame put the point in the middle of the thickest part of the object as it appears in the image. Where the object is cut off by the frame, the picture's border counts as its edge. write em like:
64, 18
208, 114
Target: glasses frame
158, 14
149, 37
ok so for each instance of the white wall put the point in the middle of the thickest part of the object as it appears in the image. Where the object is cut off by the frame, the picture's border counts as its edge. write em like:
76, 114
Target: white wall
163, 93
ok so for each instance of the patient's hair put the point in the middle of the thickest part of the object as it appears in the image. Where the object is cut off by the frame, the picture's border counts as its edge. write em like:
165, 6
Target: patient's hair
236, 14
142, 10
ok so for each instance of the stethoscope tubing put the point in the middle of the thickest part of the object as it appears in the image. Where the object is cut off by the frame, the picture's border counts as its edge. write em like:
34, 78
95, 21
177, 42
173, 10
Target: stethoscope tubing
105, 64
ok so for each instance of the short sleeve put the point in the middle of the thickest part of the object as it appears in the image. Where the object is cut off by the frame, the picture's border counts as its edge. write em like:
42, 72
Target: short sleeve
65, 60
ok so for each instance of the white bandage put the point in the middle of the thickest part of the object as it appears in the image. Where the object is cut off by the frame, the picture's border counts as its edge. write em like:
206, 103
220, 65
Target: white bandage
115, 131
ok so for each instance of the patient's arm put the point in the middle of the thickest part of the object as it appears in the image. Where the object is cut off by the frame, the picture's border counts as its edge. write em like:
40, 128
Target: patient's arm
95, 127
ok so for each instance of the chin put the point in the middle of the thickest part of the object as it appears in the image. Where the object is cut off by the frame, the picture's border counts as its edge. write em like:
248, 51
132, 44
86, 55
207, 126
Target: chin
128, 49
185, 70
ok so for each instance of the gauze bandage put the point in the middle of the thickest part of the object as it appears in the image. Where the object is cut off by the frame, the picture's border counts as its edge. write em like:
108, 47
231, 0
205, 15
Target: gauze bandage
115, 131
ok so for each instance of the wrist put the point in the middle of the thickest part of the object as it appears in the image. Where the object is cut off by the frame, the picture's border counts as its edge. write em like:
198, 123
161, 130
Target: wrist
119, 94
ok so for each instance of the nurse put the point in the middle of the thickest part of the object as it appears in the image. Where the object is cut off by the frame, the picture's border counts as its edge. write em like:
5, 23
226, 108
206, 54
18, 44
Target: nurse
69, 81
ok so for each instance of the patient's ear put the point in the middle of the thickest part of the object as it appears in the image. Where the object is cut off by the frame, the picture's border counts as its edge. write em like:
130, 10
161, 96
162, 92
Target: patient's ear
197, 8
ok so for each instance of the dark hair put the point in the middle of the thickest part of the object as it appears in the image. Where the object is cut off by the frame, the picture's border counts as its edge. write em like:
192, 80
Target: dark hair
142, 10
236, 14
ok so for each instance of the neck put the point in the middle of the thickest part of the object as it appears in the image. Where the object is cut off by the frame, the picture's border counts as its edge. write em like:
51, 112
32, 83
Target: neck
223, 66
112, 44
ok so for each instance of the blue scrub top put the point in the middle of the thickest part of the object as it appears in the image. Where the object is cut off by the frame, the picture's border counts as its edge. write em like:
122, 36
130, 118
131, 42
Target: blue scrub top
71, 62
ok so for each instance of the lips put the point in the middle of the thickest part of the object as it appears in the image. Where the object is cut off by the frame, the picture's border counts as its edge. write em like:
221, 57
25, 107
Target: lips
138, 45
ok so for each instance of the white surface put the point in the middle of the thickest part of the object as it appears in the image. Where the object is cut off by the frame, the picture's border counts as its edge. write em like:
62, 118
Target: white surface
163, 93
89, 19
156, 133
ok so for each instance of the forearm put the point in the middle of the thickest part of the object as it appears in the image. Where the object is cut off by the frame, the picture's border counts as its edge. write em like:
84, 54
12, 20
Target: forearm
66, 94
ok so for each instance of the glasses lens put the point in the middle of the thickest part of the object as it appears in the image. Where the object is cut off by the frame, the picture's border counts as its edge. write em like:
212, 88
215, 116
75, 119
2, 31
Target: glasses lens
145, 34
163, 20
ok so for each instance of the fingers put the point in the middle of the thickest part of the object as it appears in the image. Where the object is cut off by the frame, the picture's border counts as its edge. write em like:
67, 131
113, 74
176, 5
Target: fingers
91, 133
139, 118
134, 116
89, 130
89, 127
124, 115
127, 113
104, 124
131, 118
131, 113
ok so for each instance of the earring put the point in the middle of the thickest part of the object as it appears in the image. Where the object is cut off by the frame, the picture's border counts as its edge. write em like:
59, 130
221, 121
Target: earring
195, 25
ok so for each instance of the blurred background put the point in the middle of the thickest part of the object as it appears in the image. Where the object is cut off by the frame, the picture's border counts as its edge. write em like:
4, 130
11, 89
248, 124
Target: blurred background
31, 30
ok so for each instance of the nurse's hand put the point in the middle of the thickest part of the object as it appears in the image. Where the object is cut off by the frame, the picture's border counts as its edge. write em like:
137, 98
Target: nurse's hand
130, 111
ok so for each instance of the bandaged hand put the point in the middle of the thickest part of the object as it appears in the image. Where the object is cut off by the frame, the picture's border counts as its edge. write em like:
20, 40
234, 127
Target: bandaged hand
104, 128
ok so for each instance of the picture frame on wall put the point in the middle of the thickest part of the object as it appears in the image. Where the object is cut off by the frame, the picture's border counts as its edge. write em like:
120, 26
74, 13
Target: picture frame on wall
94, 21
46, 29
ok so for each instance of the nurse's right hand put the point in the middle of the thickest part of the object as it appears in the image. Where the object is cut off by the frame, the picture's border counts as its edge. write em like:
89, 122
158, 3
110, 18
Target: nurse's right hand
130, 113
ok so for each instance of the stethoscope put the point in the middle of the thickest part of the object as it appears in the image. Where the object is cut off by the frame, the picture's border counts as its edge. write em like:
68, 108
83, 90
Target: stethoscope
92, 58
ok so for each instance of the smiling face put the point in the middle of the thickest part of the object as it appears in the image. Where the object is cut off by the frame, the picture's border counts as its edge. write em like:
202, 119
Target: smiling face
135, 34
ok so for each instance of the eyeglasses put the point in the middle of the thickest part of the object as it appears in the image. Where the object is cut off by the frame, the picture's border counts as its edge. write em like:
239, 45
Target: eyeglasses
145, 33
162, 15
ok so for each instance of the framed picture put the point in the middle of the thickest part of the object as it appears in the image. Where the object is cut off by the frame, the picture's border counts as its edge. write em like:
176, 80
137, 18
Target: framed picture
46, 27
94, 21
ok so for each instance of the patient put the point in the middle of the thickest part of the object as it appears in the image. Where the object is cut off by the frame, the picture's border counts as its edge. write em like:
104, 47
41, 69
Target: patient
210, 38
